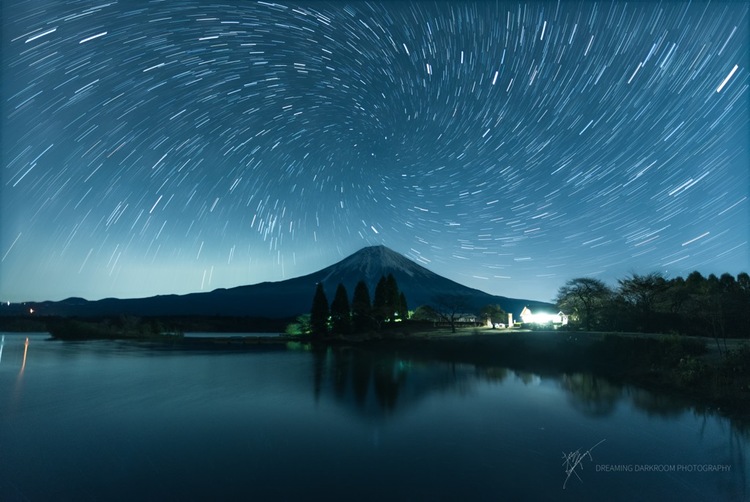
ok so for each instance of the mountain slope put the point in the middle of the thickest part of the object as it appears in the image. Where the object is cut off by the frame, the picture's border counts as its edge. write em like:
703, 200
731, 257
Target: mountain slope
419, 285
294, 296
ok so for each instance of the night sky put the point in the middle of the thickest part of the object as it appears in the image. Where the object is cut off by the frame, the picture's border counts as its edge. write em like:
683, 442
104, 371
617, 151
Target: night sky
179, 146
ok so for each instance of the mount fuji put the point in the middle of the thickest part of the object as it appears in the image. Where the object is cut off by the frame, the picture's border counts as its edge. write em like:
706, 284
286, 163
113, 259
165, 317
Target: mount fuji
290, 297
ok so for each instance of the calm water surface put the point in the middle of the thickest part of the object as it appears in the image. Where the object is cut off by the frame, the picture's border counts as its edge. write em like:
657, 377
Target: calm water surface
119, 421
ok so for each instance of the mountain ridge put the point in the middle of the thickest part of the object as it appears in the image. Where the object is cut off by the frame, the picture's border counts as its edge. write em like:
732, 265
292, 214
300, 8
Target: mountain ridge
292, 297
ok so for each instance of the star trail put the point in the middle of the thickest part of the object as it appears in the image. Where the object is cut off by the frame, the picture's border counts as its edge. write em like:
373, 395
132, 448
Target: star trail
178, 146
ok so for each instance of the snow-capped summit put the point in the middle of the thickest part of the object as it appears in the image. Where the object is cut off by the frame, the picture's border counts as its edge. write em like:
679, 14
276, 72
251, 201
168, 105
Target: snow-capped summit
372, 262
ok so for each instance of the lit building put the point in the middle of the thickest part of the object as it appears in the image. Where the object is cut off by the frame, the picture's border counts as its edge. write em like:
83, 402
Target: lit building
543, 317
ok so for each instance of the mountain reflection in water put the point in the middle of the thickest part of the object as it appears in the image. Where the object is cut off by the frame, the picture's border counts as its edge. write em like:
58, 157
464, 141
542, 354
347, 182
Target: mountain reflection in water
385, 381
121, 421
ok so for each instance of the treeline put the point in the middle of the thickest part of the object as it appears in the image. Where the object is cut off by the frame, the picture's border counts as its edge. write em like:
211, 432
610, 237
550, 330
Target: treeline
113, 328
360, 315
701, 306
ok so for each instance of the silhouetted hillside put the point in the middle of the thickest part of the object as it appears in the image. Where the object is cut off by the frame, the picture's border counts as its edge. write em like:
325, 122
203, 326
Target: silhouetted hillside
290, 297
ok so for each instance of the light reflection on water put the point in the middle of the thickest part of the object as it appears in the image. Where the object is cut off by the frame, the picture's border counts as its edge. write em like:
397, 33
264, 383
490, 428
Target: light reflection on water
115, 420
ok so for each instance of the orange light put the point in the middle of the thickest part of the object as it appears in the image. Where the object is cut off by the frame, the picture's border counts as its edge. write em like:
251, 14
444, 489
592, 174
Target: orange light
25, 351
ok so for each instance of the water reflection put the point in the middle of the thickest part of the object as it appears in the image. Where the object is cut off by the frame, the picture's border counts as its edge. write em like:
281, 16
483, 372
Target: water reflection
383, 385
10, 349
25, 353
383, 382
384, 419
380, 384
656, 405
358, 378
14, 356
592, 396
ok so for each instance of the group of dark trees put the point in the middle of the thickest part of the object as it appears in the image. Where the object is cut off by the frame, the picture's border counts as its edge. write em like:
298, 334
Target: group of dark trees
361, 315
696, 305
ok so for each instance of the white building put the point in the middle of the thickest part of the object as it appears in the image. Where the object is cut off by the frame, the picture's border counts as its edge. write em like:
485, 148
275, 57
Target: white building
543, 317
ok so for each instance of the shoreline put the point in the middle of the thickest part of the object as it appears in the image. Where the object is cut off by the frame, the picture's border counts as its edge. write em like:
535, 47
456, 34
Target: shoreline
686, 367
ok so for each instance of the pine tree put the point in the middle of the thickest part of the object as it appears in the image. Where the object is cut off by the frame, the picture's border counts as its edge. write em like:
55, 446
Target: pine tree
341, 323
392, 297
361, 308
389, 303
319, 313
380, 302
403, 309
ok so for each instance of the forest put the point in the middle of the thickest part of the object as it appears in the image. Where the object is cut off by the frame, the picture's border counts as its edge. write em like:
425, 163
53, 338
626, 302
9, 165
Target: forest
712, 306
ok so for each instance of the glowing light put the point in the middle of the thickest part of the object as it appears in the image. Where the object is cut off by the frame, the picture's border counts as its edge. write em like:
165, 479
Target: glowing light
25, 351
543, 317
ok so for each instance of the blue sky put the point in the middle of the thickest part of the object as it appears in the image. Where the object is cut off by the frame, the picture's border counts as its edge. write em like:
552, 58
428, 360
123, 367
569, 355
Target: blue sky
172, 147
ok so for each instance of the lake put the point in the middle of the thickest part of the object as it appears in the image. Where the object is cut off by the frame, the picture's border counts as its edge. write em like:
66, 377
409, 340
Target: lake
104, 420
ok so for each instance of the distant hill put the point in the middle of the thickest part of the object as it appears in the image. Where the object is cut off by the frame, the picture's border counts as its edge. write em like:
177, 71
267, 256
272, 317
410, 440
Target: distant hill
290, 297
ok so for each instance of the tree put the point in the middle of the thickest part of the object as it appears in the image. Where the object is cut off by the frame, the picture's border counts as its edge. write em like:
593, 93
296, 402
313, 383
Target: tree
696, 305
584, 298
341, 321
361, 308
300, 327
677, 295
643, 291
724, 305
319, 313
701, 307
425, 313
643, 294
380, 302
450, 307
389, 303
402, 309
710, 307
743, 283
743, 295
493, 313
391, 296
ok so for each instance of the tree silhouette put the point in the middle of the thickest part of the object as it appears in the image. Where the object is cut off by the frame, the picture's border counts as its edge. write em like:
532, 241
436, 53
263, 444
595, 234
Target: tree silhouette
361, 308
425, 313
380, 302
584, 298
643, 296
402, 309
341, 322
387, 304
319, 313
451, 306
696, 305
391, 296
493, 313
